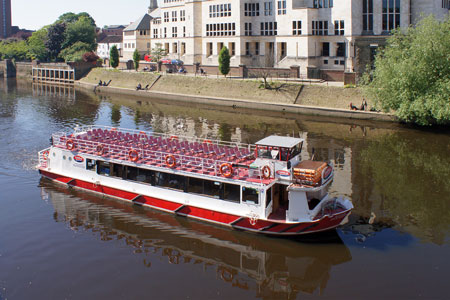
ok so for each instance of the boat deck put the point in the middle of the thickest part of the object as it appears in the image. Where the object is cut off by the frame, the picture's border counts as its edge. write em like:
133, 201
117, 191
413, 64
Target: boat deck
187, 154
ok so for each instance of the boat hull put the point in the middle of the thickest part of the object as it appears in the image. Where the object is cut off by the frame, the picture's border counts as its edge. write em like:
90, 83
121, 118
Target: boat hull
261, 226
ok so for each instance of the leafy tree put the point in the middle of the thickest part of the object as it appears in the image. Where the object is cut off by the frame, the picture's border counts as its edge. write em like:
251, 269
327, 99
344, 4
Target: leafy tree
81, 30
136, 59
158, 52
114, 56
16, 50
412, 74
36, 45
90, 57
55, 39
75, 52
70, 17
224, 61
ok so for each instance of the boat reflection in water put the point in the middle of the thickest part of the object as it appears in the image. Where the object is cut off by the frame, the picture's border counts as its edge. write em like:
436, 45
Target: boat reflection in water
272, 267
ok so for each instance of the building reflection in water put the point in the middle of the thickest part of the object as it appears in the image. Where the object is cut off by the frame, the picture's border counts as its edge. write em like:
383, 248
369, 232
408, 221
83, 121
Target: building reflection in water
272, 267
52, 90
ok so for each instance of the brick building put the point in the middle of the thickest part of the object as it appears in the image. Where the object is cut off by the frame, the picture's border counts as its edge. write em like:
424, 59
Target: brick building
5, 19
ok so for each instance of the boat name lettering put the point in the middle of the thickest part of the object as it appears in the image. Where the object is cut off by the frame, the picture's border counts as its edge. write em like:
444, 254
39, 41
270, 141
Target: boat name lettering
283, 173
78, 158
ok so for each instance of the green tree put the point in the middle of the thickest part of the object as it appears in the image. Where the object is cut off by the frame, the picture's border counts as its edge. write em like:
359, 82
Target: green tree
75, 52
81, 30
36, 45
16, 50
114, 56
70, 17
55, 39
224, 61
412, 74
158, 52
136, 59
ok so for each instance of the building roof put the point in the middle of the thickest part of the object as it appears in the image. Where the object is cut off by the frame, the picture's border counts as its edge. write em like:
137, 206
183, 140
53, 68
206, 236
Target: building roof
143, 23
279, 141
114, 27
110, 39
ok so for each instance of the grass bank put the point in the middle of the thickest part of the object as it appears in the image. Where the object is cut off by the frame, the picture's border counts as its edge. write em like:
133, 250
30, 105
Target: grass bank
281, 93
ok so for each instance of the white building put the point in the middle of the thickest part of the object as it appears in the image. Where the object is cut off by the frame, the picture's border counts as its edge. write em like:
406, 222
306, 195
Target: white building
318, 34
137, 36
104, 46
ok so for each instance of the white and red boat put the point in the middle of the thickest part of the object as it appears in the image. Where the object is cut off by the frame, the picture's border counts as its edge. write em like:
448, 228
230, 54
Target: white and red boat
264, 188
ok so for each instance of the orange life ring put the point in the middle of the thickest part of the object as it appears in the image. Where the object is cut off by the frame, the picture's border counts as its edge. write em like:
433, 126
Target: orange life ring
226, 170
173, 137
70, 145
133, 155
207, 142
266, 172
99, 149
226, 275
45, 155
171, 162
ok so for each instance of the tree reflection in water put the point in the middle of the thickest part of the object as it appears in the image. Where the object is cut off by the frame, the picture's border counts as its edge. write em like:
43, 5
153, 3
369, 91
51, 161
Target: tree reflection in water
271, 267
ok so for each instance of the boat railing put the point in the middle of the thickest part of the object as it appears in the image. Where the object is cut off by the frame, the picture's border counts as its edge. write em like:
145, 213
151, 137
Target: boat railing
43, 158
169, 158
86, 128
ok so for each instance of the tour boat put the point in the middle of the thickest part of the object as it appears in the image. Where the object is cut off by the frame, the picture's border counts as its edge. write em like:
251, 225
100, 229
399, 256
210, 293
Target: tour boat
264, 188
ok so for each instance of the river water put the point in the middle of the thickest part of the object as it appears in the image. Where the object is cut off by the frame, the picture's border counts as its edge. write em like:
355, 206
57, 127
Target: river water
57, 243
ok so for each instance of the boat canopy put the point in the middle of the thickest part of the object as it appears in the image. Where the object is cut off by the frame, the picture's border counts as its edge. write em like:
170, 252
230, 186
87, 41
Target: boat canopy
280, 141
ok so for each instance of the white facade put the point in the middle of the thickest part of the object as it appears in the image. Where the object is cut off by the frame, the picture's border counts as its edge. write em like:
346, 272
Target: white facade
104, 48
272, 33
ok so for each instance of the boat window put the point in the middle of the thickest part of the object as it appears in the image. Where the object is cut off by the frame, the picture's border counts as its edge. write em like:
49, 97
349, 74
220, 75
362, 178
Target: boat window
250, 195
172, 181
145, 175
296, 150
268, 197
118, 171
103, 168
132, 173
264, 152
231, 192
195, 185
212, 188
90, 164
284, 154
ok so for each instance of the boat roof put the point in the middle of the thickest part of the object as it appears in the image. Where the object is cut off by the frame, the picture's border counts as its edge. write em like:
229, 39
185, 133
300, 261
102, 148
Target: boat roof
279, 141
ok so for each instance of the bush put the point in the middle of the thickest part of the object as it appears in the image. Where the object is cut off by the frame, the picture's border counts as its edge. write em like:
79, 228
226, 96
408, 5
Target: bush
90, 57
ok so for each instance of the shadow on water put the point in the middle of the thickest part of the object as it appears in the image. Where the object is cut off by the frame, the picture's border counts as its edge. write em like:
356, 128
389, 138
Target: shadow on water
271, 267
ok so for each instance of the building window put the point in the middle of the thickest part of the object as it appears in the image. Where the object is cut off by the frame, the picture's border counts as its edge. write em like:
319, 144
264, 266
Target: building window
219, 47
166, 16
368, 15
320, 27
165, 32
267, 8
209, 49
221, 29
339, 27
282, 7
283, 50
166, 47
183, 48
256, 48
247, 48
232, 47
251, 9
220, 10
155, 33
174, 31
323, 3
184, 31
248, 29
182, 15
446, 4
325, 49
296, 27
268, 28
174, 16
391, 14
175, 47
340, 50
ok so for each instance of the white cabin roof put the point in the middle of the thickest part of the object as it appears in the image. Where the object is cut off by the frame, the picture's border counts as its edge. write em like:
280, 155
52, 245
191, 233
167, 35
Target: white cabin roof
279, 141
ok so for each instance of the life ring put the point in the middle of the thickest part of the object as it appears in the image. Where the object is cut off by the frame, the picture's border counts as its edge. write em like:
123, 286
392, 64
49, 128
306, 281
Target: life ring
226, 170
45, 155
70, 145
266, 172
226, 275
173, 137
171, 162
207, 142
100, 150
133, 155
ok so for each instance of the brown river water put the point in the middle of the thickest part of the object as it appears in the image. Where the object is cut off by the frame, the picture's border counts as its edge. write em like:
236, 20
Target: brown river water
59, 243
